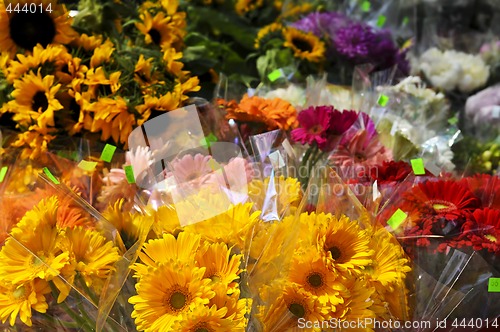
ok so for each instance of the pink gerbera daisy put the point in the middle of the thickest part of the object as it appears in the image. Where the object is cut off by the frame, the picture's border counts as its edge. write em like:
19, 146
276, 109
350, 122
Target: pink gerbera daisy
189, 169
313, 124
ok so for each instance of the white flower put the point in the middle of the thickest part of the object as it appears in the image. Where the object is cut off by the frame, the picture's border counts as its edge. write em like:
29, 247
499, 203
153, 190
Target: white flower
454, 70
293, 94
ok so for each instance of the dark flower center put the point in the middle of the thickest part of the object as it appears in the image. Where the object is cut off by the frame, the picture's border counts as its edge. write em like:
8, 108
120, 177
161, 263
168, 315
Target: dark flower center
74, 107
297, 310
317, 129
178, 300
315, 280
335, 251
27, 29
359, 157
104, 90
201, 329
65, 69
155, 36
302, 44
39, 101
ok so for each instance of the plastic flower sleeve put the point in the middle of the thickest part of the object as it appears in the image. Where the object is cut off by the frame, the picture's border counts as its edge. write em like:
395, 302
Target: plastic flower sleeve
60, 253
449, 231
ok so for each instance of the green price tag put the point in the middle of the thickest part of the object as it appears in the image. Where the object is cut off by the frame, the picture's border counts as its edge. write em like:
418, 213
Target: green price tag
50, 176
275, 74
418, 166
366, 6
207, 141
3, 172
381, 21
396, 219
494, 285
108, 152
129, 173
383, 100
88, 166
406, 20
453, 120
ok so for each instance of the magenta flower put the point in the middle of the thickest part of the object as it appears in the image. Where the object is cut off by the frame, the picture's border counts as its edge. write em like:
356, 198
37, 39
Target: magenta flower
313, 125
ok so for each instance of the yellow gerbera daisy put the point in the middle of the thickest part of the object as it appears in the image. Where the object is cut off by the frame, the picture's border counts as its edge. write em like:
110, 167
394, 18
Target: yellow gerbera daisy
304, 45
231, 227
35, 98
168, 249
22, 299
308, 269
357, 306
288, 192
220, 266
205, 319
293, 303
166, 221
166, 294
238, 309
345, 246
130, 226
93, 254
32, 251
390, 264
24, 30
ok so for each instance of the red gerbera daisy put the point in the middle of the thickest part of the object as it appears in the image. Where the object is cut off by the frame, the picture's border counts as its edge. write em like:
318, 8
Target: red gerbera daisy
486, 187
485, 232
390, 171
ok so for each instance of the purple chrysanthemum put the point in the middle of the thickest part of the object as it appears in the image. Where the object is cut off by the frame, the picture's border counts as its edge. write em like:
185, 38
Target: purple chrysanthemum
355, 42
321, 24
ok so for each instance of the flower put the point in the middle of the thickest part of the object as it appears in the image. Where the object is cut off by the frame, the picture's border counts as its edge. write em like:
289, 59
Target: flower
305, 46
93, 255
321, 23
313, 124
35, 101
485, 234
354, 41
21, 299
287, 189
274, 113
24, 30
479, 108
32, 250
293, 94
314, 276
451, 70
166, 294
344, 246
267, 32
189, 169
207, 319
391, 171
242, 7
221, 267
168, 250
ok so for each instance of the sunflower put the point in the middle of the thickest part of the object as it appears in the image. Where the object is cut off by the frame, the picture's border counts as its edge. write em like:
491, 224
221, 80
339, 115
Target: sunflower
268, 32
47, 59
101, 83
390, 265
346, 248
154, 106
304, 45
160, 29
34, 144
310, 272
166, 294
22, 299
205, 319
102, 54
86, 42
93, 254
293, 304
35, 98
143, 72
244, 6
32, 251
113, 119
221, 267
288, 192
24, 30
167, 250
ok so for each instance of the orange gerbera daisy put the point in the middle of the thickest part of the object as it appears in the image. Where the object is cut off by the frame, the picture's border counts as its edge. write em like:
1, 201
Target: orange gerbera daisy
274, 113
